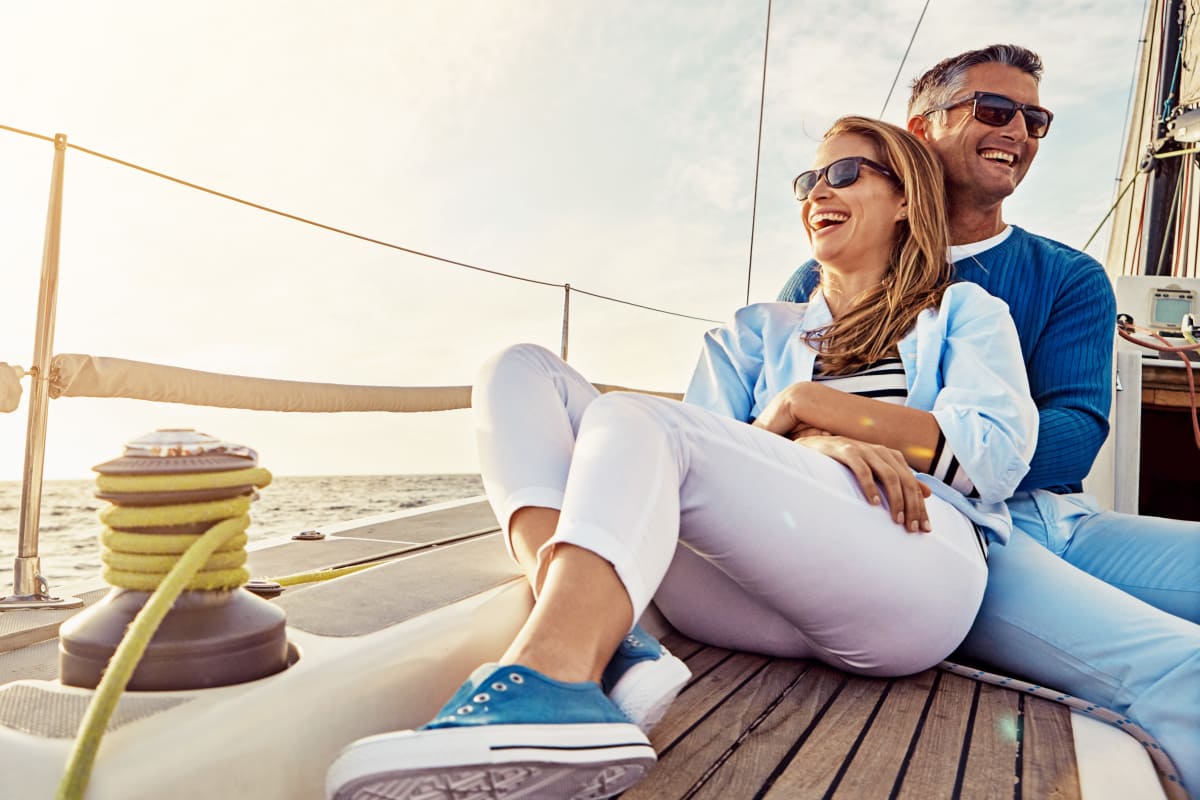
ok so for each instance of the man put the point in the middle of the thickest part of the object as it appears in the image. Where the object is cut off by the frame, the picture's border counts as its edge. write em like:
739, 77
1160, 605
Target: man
1102, 605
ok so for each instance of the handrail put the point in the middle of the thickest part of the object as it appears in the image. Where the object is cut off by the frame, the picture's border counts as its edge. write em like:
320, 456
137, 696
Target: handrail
75, 375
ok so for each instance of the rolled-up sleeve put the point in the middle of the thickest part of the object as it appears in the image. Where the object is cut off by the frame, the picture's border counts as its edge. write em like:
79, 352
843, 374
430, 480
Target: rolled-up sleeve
729, 365
984, 407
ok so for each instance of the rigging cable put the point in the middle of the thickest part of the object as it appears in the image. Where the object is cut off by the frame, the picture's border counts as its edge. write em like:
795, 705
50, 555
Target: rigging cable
903, 59
1166, 109
762, 101
351, 234
1129, 185
1120, 160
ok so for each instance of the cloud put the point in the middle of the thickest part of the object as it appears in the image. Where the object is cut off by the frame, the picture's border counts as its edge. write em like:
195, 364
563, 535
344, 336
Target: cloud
610, 145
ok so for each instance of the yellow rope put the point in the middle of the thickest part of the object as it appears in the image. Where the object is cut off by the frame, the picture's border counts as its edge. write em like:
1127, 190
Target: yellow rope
176, 543
166, 516
153, 563
256, 476
129, 651
139, 561
166, 565
297, 578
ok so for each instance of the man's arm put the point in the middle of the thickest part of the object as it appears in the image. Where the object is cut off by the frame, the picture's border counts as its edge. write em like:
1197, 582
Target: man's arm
1070, 376
800, 286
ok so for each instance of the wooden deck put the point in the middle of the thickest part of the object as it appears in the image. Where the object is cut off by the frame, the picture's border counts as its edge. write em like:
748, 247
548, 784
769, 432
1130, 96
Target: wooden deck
748, 726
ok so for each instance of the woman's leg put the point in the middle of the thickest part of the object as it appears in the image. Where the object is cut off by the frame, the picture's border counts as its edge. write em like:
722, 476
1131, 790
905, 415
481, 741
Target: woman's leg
785, 524
527, 404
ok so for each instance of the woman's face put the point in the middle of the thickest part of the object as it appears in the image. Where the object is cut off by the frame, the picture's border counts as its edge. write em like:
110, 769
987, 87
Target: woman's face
853, 228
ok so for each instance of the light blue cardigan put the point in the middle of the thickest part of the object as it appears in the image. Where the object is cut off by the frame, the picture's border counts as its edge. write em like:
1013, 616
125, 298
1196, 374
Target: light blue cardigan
962, 362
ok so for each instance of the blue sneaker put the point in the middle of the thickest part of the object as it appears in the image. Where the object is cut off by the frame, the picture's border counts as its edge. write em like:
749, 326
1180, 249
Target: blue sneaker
509, 732
643, 678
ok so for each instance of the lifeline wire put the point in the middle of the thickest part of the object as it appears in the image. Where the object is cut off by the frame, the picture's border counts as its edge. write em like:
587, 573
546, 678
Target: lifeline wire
342, 231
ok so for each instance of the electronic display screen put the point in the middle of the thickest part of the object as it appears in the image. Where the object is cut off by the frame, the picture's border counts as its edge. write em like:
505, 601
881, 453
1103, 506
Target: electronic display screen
1170, 310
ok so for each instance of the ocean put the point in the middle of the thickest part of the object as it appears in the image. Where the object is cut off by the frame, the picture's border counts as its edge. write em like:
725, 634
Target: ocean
68, 541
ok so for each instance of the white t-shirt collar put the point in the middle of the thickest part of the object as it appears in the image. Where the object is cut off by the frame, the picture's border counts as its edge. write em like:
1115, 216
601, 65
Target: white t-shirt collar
960, 251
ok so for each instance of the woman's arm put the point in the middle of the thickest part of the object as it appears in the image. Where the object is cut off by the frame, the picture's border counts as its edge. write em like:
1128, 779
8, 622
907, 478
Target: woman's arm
880, 443
911, 431
984, 406
729, 365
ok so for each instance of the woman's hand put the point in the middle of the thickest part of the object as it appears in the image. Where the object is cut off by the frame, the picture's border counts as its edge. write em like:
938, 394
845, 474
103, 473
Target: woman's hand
875, 466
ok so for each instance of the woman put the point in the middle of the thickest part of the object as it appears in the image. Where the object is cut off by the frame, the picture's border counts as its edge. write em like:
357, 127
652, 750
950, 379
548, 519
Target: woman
830, 546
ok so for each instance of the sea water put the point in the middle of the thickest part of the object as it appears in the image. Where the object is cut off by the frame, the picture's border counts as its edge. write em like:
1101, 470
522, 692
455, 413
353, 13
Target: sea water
68, 539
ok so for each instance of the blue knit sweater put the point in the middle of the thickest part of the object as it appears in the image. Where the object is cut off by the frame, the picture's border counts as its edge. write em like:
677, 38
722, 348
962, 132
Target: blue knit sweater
1063, 305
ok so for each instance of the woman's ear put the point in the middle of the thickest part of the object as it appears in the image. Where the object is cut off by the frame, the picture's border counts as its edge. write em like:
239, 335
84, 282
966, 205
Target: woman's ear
902, 210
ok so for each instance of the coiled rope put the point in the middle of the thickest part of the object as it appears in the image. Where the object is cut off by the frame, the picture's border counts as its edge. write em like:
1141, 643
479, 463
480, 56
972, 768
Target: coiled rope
167, 564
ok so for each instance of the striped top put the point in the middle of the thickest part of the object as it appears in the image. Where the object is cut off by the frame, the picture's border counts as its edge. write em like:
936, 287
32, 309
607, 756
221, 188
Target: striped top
1063, 305
884, 380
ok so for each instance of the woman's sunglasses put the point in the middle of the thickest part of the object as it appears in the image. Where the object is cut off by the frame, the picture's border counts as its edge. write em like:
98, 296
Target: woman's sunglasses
838, 174
997, 110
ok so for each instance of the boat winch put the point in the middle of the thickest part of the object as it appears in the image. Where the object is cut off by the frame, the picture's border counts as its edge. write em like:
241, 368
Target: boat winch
178, 512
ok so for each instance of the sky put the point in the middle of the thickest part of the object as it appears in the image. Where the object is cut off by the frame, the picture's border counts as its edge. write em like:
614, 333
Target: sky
610, 145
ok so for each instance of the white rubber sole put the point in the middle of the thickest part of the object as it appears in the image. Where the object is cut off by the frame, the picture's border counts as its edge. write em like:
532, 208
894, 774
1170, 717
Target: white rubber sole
648, 688
493, 762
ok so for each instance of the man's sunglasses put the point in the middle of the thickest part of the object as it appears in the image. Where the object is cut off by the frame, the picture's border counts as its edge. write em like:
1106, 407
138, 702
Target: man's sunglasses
997, 110
838, 174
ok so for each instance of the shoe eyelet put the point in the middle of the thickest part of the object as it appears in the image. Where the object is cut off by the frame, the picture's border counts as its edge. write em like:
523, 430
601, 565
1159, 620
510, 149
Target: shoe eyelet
515, 678
499, 687
482, 697
466, 709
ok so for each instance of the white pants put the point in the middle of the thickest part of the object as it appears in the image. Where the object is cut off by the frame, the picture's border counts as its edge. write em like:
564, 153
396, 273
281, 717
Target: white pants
743, 538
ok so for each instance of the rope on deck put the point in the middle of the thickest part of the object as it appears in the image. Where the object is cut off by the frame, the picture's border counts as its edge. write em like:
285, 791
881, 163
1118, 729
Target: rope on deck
1169, 775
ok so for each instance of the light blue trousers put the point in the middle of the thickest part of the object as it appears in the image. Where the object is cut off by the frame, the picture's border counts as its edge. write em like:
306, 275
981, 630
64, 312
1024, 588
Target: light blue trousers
1103, 606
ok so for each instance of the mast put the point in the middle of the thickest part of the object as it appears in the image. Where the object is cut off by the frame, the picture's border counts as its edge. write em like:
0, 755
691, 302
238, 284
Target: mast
1158, 198
1162, 209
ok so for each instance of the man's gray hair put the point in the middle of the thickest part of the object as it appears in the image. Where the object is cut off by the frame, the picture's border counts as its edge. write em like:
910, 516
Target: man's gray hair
941, 84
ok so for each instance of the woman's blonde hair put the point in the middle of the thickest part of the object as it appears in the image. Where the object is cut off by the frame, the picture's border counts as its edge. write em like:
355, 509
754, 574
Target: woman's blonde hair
918, 271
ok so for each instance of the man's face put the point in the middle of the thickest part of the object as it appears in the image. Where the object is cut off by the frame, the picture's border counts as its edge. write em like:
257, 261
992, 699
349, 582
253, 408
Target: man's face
983, 163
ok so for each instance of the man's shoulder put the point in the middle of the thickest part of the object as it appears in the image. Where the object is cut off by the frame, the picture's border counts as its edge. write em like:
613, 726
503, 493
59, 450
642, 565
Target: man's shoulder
801, 284
1048, 249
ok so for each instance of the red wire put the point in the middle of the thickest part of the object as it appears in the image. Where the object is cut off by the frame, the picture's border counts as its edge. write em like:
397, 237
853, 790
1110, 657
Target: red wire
1124, 331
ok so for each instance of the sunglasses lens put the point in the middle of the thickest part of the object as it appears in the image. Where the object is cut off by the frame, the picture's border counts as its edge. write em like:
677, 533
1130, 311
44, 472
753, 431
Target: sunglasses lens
994, 110
998, 110
842, 173
804, 184
1036, 122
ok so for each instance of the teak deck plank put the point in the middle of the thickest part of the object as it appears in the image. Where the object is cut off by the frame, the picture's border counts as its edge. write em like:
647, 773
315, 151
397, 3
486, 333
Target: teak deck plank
992, 758
681, 646
933, 768
708, 689
1047, 732
881, 758
818, 763
752, 727
710, 742
770, 740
